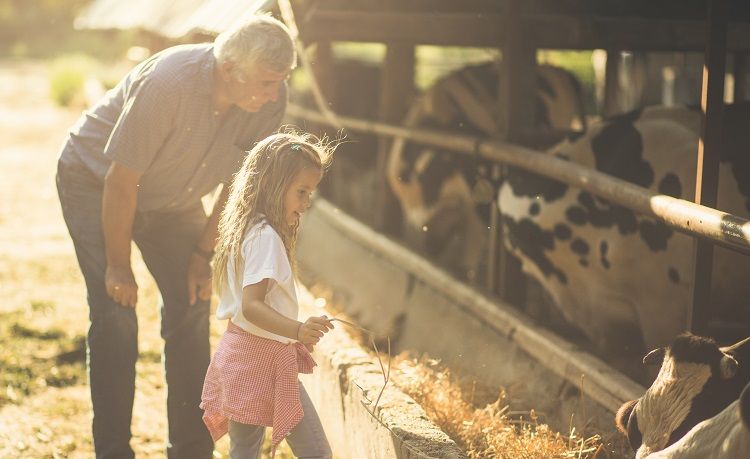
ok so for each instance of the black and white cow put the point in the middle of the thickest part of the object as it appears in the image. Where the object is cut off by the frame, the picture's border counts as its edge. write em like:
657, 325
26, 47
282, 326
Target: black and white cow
696, 381
724, 436
444, 206
624, 280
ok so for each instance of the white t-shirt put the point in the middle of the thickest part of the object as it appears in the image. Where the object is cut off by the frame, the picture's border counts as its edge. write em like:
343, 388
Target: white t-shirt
264, 257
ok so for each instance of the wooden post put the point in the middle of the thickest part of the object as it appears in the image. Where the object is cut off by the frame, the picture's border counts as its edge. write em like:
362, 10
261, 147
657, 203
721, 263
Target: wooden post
740, 76
707, 177
611, 104
322, 65
517, 100
396, 92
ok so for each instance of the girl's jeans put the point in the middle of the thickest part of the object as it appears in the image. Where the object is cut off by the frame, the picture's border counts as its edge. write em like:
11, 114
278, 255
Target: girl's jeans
166, 241
307, 439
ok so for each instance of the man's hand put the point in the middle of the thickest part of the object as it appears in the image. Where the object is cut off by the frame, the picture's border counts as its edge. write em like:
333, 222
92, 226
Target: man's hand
199, 278
121, 286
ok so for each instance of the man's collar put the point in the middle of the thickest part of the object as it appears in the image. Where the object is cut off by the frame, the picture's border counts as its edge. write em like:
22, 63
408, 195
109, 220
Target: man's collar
206, 72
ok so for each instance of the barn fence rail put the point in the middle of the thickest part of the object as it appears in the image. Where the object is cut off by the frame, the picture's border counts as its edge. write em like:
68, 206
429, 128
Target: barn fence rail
687, 217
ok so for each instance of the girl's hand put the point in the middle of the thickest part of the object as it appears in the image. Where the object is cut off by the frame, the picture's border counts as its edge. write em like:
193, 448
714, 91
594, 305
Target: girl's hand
310, 332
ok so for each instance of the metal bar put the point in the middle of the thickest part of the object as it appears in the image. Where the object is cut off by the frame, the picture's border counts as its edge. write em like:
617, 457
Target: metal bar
685, 216
603, 384
709, 146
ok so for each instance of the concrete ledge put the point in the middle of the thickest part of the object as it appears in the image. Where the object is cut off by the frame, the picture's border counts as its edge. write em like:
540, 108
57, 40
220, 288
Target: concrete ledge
341, 388
392, 291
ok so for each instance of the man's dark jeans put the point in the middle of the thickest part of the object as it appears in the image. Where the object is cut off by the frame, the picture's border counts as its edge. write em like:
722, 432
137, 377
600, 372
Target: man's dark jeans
166, 242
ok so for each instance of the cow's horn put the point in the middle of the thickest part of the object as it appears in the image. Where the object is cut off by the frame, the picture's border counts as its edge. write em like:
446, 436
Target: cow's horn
728, 366
654, 357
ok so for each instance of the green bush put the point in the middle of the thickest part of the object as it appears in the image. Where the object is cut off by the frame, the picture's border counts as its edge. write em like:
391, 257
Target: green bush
67, 78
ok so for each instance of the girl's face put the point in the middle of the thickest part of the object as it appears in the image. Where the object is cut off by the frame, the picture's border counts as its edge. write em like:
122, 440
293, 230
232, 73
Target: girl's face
297, 196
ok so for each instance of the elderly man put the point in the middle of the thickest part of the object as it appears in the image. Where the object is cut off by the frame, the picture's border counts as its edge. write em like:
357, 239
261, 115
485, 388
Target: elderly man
135, 167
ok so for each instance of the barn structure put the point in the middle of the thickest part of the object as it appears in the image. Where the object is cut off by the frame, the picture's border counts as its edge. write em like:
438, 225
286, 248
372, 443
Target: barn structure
399, 293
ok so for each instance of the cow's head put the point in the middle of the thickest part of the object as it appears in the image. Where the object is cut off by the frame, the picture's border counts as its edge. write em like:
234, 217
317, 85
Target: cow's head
696, 381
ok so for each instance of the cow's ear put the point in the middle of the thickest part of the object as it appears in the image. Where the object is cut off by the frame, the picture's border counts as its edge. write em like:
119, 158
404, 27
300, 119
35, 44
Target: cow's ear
654, 357
728, 366
626, 421
623, 414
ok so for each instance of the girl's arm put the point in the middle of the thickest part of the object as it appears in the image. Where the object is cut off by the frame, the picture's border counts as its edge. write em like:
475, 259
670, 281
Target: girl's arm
260, 314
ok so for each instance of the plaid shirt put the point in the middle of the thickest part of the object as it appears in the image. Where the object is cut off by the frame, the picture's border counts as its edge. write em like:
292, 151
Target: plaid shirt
253, 380
160, 120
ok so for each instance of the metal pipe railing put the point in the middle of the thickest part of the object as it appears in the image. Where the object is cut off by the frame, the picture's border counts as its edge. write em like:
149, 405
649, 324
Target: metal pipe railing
685, 216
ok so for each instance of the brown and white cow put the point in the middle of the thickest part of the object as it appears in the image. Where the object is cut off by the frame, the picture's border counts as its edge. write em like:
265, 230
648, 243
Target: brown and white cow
444, 205
623, 279
724, 436
696, 381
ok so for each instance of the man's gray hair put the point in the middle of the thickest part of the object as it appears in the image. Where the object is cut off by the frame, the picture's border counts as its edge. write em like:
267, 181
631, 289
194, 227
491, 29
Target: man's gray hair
262, 40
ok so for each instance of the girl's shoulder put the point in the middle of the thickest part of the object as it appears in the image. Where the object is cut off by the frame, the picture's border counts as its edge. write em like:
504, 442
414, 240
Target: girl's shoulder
263, 233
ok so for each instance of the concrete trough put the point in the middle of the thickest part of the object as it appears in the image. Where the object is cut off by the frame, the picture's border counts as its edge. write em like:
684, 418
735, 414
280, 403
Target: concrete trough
344, 387
390, 290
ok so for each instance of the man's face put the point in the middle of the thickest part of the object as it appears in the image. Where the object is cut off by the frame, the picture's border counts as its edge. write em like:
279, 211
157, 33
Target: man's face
256, 89
297, 196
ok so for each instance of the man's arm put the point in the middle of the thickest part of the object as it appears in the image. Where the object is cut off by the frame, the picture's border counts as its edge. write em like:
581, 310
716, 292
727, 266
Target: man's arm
118, 211
199, 270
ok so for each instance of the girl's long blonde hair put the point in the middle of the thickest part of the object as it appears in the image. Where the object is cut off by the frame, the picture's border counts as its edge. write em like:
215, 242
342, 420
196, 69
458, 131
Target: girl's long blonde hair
257, 191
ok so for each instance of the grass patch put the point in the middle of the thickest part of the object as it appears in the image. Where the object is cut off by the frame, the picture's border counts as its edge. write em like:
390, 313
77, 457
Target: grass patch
34, 359
489, 431
68, 77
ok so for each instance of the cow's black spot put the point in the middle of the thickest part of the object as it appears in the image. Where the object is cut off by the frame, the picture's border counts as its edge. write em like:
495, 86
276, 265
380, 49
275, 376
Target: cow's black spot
655, 234
534, 209
618, 151
579, 246
603, 248
674, 276
562, 231
576, 215
602, 214
533, 242
531, 185
670, 185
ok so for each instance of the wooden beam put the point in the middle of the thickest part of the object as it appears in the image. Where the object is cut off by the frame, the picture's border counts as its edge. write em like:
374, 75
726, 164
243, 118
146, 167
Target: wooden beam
447, 29
549, 31
517, 88
707, 180
629, 33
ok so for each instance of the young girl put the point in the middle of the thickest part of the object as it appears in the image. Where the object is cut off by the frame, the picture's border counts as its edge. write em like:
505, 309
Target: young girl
252, 382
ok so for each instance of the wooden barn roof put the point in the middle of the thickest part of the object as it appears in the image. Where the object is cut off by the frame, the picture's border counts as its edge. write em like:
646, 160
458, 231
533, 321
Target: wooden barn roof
553, 24
169, 18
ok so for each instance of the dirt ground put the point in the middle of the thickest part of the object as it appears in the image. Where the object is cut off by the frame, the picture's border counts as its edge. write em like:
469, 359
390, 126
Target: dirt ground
45, 410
